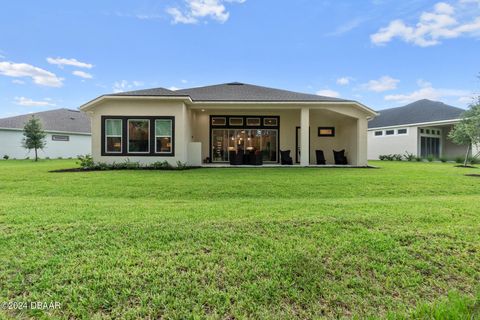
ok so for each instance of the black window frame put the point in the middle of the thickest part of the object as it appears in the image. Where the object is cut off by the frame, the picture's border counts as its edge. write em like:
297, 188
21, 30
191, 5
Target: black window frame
152, 151
378, 133
390, 134
402, 131
332, 129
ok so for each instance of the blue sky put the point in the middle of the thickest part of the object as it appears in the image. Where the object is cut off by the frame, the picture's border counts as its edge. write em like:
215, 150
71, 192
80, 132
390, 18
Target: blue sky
384, 53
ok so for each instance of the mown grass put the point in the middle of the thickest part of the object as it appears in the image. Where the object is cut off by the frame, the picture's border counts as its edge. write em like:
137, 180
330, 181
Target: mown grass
398, 242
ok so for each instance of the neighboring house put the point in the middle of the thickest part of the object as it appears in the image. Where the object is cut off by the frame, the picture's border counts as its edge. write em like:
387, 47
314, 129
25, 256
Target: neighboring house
420, 128
209, 124
68, 134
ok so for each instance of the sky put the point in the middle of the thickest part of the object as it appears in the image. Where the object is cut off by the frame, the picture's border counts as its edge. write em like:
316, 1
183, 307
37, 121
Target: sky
383, 53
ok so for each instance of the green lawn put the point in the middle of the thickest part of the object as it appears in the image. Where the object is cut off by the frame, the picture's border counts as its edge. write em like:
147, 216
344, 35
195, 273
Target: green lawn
403, 240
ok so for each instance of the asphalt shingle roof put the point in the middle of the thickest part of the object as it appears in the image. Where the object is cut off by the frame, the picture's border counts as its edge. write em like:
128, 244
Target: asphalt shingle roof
234, 91
64, 120
417, 112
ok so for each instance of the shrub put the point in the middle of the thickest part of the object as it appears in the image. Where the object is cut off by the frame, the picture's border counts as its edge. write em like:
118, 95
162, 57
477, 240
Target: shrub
418, 159
443, 159
86, 162
181, 165
159, 165
59, 158
6, 157
430, 158
459, 160
397, 157
409, 156
474, 160
47, 158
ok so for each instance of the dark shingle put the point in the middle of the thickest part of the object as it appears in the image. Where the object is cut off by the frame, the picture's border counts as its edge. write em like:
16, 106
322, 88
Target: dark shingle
234, 91
417, 112
64, 120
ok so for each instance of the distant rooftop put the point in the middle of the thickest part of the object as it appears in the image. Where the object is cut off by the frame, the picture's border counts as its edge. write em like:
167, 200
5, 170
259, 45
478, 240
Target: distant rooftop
417, 112
233, 91
64, 120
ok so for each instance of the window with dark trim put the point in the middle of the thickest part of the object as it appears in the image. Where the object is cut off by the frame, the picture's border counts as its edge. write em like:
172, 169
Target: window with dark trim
254, 122
402, 131
378, 133
113, 135
219, 121
326, 131
56, 137
389, 132
270, 122
138, 136
235, 121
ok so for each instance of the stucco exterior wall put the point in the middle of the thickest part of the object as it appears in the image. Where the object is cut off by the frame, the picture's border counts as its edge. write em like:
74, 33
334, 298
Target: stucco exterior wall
11, 145
396, 144
135, 108
450, 149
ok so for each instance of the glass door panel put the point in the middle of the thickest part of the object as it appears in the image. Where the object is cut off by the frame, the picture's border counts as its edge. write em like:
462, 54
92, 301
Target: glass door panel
269, 145
219, 145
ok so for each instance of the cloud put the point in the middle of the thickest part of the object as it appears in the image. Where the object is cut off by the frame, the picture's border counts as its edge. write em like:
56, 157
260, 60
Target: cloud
385, 83
346, 27
17, 81
124, 85
199, 9
432, 27
173, 88
427, 91
343, 81
69, 62
82, 74
184, 81
27, 102
38, 75
328, 93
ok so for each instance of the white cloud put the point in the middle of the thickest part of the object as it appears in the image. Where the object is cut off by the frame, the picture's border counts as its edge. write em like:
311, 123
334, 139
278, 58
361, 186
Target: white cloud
38, 75
442, 23
346, 27
82, 74
17, 81
385, 83
427, 91
343, 81
198, 9
124, 85
184, 81
173, 88
69, 62
27, 102
328, 93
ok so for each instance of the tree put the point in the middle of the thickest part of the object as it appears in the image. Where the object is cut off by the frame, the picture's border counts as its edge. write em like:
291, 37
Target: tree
34, 136
467, 131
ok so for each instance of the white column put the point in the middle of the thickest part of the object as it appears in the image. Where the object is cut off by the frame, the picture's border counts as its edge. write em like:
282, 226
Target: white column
305, 136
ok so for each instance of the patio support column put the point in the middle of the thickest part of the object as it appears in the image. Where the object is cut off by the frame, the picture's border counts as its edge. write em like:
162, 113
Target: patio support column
305, 136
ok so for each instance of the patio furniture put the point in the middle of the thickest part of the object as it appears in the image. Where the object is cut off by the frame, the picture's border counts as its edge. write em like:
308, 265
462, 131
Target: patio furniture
285, 157
320, 157
236, 157
340, 157
255, 158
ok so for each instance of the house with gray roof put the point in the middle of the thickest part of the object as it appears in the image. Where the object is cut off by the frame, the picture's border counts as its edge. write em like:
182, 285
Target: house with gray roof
420, 128
228, 124
68, 134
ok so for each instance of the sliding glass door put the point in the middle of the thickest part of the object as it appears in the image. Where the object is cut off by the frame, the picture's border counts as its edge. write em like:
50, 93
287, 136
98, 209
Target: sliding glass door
246, 140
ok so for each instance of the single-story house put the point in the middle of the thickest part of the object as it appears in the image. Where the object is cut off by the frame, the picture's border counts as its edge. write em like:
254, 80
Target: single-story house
68, 134
420, 128
224, 123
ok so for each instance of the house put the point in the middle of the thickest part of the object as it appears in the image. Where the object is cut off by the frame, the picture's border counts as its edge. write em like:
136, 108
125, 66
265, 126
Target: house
420, 128
217, 123
68, 134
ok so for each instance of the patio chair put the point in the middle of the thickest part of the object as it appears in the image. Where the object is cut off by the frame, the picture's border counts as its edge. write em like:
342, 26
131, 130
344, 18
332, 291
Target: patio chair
340, 157
285, 157
255, 158
236, 158
320, 157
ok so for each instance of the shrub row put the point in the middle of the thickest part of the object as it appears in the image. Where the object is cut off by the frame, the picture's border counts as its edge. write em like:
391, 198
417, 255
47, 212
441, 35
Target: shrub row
411, 157
86, 163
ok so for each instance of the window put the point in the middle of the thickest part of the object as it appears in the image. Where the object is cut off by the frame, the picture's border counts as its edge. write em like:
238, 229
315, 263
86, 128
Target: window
427, 131
270, 122
378, 133
402, 131
219, 121
113, 135
326, 131
163, 136
422, 131
390, 132
235, 121
138, 136
56, 137
253, 122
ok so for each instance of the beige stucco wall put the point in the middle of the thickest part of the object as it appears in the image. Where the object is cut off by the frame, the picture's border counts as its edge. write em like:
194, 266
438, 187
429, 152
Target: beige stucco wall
396, 144
136, 107
450, 149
